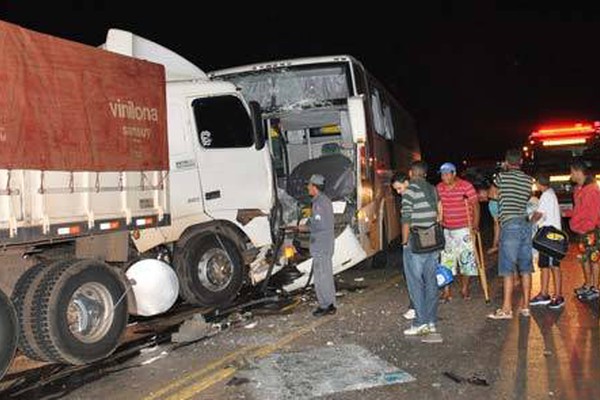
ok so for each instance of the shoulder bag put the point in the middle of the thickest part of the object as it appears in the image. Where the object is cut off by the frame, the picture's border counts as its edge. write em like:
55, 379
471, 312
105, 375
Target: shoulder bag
431, 238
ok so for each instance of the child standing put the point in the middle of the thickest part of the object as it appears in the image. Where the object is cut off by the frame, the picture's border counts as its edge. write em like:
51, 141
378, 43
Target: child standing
548, 214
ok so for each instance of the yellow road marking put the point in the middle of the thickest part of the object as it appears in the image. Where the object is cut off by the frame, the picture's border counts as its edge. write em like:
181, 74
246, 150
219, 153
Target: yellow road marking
197, 374
220, 370
190, 391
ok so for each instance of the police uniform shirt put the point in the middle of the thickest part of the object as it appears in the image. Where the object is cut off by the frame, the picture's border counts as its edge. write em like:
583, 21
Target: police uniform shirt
321, 223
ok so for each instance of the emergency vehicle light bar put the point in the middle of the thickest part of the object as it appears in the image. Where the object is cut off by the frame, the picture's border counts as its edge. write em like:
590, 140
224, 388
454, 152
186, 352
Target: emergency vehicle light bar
562, 142
577, 128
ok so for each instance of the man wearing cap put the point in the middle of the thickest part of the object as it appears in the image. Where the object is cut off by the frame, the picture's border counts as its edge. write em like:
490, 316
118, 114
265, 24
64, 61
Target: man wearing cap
321, 246
460, 217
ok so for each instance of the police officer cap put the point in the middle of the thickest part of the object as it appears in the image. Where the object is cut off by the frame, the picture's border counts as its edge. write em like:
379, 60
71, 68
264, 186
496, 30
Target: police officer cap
317, 179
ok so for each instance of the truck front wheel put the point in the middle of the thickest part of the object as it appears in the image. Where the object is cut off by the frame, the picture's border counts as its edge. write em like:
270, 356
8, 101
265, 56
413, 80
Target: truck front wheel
8, 333
210, 270
81, 312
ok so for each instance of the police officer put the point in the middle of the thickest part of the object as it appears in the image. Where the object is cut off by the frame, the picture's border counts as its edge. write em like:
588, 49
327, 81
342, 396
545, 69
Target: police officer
321, 246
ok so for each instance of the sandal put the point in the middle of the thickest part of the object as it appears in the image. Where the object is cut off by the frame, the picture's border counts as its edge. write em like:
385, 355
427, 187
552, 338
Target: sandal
445, 300
524, 312
500, 314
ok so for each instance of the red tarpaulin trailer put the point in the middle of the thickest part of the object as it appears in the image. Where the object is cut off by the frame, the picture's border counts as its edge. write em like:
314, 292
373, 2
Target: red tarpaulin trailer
71, 107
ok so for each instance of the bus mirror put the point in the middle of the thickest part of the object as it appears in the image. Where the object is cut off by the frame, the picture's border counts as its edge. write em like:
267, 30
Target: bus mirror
257, 125
356, 112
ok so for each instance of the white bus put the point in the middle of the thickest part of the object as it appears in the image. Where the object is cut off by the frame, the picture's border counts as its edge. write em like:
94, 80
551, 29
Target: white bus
305, 104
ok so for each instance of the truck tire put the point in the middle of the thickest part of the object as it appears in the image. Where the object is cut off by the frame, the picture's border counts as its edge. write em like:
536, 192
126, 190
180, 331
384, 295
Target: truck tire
81, 310
210, 270
22, 298
8, 333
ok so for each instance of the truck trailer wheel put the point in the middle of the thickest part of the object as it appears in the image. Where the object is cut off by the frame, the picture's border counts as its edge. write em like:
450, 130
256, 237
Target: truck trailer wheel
210, 270
8, 333
22, 299
81, 312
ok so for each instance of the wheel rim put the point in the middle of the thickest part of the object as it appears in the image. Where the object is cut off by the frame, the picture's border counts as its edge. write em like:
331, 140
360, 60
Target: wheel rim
89, 313
215, 270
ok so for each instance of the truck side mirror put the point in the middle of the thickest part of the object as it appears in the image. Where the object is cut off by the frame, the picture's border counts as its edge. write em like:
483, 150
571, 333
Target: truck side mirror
257, 125
356, 112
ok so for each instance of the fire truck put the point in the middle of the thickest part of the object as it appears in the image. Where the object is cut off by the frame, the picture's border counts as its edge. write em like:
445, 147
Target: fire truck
551, 149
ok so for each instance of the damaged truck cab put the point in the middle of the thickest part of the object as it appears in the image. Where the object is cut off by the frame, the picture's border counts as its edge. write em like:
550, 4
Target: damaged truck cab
128, 180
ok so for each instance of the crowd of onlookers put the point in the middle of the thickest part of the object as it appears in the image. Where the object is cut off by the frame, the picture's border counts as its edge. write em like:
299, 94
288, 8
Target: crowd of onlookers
517, 212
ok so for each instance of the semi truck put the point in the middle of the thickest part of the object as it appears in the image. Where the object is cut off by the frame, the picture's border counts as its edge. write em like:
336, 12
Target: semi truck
128, 181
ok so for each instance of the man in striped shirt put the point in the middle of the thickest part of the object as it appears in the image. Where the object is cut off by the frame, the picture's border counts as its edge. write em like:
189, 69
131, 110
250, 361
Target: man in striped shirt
515, 253
460, 217
420, 207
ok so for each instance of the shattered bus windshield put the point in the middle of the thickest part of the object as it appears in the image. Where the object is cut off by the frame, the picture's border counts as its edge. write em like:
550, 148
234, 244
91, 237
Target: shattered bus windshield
295, 87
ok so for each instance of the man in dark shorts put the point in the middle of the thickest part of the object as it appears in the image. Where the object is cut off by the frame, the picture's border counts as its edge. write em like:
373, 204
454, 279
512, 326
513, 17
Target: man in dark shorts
548, 214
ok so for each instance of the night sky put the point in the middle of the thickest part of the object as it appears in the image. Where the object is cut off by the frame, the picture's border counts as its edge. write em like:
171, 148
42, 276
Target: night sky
477, 79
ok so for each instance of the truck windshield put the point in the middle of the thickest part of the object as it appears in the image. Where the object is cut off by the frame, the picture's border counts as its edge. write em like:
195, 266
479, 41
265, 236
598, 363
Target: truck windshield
557, 158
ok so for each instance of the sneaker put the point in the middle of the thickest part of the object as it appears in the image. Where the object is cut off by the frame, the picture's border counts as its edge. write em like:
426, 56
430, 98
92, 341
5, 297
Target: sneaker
432, 328
591, 294
540, 300
500, 314
410, 314
580, 290
557, 302
417, 330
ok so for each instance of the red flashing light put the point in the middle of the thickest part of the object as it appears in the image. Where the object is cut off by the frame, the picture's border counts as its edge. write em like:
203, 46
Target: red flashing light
564, 130
563, 135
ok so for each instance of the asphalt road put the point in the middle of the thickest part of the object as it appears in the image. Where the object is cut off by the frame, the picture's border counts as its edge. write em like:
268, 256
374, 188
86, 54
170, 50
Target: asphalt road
361, 352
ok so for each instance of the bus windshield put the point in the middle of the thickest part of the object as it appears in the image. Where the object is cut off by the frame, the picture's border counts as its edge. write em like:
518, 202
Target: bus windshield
296, 87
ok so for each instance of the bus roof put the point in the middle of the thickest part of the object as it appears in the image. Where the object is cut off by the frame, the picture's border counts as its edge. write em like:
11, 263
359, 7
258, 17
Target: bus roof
292, 62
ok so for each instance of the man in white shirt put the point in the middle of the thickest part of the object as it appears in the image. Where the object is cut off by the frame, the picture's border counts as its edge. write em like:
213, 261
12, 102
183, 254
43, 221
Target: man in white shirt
548, 214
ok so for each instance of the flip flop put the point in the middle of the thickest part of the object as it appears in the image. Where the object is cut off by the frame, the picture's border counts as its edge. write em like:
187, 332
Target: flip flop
524, 312
500, 314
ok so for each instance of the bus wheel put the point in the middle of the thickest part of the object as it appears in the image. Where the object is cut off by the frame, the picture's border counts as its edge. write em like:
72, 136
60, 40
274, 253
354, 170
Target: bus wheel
81, 312
8, 333
210, 270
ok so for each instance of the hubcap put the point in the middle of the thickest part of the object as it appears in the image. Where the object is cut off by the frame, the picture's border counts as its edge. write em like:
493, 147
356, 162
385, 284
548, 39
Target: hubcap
215, 270
89, 313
